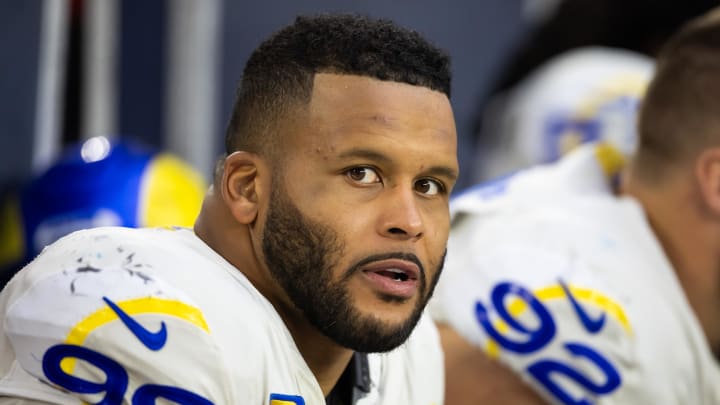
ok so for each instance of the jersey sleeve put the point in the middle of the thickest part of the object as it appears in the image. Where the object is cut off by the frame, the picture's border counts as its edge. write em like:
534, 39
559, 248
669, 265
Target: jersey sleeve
95, 324
528, 299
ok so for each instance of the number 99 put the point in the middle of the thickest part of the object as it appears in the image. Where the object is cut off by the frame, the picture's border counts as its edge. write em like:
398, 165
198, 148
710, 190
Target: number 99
116, 379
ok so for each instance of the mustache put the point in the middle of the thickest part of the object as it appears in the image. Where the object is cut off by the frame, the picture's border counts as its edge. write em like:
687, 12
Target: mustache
410, 257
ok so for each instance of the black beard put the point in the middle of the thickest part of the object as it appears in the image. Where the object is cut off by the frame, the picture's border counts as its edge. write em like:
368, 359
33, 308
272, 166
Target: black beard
301, 255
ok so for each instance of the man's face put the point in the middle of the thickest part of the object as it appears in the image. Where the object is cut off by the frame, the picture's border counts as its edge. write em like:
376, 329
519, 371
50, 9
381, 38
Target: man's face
358, 220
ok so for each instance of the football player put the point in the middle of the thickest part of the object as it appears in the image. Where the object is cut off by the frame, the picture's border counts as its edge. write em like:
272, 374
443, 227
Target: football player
592, 293
304, 279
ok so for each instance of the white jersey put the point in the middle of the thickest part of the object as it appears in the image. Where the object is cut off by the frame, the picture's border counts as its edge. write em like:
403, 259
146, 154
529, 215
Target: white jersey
565, 283
133, 315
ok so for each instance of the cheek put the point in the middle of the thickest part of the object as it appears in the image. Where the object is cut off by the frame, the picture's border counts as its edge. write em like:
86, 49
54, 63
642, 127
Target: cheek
351, 224
437, 245
341, 209
437, 250
438, 231
437, 223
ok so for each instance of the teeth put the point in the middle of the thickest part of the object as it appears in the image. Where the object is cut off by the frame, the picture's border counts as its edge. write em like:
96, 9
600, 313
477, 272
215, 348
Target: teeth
395, 274
398, 274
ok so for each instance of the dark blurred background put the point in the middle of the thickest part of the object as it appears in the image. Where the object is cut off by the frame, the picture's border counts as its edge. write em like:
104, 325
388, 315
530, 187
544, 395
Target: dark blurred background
165, 71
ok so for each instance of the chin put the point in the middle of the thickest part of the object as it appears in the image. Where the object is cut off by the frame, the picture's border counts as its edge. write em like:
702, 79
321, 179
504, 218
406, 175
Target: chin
388, 307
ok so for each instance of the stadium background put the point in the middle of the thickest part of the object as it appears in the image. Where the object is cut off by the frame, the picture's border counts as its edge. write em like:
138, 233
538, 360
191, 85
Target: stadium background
165, 71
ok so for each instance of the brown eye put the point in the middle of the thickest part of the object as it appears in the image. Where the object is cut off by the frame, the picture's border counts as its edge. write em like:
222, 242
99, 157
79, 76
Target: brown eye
363, 175
428, 187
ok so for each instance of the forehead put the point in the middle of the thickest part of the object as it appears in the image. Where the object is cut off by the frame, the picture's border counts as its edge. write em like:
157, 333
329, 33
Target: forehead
348, 111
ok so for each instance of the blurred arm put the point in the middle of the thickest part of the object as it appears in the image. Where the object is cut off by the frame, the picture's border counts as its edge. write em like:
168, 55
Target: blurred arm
471, 378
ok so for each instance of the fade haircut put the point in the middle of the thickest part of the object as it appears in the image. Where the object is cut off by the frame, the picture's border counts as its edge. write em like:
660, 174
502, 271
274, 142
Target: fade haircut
279, 75
680, 115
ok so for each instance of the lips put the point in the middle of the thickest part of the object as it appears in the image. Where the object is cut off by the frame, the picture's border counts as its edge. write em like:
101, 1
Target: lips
394, 277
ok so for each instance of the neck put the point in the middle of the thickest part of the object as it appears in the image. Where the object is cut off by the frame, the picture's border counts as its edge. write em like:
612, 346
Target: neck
325, 358
690, 237
235, 242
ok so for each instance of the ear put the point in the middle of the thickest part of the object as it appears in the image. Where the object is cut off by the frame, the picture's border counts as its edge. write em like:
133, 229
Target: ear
707, 172
242, 185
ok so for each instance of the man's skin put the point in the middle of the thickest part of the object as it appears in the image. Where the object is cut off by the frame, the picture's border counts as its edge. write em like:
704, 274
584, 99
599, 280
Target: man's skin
472, 378
372, 161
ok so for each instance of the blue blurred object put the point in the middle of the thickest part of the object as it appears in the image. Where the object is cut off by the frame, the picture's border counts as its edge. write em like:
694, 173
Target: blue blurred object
84, 191
98, 183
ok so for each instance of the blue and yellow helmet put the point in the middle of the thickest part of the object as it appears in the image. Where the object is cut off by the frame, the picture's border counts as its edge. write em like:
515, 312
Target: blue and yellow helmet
98, 183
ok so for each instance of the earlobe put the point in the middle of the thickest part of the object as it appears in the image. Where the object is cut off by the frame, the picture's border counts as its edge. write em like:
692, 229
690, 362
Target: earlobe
240, 186
708, 175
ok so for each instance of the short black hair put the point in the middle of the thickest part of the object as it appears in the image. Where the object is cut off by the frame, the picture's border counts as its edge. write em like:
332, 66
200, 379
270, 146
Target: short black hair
280, 72
679, 116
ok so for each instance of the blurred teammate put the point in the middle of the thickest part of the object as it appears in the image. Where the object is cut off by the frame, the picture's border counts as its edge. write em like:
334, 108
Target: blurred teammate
589, 297
97, 183
583, 95
574, 77
306, 275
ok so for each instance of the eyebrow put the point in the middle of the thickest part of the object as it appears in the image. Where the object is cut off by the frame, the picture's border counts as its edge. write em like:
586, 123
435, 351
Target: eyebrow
366, 154
444, 171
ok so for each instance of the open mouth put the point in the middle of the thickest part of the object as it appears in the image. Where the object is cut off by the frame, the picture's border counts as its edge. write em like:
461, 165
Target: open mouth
393, 277
396, 274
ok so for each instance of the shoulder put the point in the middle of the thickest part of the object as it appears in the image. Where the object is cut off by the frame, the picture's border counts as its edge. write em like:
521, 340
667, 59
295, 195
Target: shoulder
529, 225
549, 317
589, 171
105, 259
566, 297
118, 302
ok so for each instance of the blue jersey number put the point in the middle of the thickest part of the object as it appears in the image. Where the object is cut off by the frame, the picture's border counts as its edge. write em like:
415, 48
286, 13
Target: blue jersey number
116, 379
544, 370
536, 339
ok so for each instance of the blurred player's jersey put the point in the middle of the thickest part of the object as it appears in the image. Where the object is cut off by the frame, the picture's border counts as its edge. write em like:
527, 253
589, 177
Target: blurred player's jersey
563, 281
99, 183
133, 315
583, 95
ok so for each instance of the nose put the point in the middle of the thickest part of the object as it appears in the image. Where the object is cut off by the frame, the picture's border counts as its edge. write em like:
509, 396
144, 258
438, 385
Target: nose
401, 217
